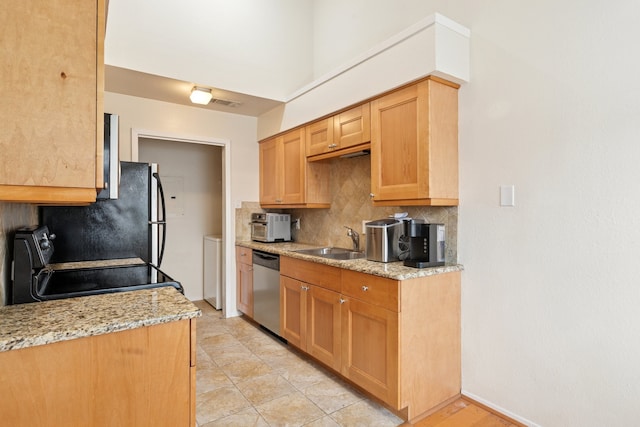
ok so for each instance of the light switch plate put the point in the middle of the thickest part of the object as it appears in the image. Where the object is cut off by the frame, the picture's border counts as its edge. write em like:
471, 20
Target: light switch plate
507, 195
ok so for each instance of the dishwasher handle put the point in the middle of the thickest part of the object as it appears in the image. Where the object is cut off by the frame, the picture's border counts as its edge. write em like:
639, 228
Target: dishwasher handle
266, 259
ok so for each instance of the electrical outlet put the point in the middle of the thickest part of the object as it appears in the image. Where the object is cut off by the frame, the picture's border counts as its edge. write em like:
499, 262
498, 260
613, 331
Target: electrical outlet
298, 224
364, 227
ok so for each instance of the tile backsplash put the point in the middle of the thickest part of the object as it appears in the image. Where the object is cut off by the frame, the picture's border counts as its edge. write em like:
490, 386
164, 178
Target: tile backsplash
350, 187
12, 216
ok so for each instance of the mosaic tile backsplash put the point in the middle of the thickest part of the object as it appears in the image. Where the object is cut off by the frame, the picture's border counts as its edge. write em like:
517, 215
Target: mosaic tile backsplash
12, 216
350, 187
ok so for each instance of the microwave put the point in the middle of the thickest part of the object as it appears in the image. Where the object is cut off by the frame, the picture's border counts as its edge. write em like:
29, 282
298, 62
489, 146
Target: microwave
270, 227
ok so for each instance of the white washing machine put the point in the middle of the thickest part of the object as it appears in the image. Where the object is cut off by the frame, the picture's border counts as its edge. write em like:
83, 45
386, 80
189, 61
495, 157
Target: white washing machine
213, 280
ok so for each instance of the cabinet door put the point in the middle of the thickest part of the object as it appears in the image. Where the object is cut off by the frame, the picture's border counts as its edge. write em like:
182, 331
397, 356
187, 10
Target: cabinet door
352, 127
293, 311
414, 145
294, 173
129, 378
370, 349
399, 151
245, 289
52, 87
323, 326
269, 174
320, 137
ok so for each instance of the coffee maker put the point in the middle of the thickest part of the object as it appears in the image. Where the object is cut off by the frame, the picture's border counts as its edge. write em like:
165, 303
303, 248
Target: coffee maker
426, 244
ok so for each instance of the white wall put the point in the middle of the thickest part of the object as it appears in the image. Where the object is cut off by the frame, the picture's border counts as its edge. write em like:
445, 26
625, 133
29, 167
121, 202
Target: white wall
550, 288
258, 47
192, 180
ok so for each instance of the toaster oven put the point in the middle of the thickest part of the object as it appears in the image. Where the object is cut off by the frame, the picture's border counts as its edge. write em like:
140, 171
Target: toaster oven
270, 227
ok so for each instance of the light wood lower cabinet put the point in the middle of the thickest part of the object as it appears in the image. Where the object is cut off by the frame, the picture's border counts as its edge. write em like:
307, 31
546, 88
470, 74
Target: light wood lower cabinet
398, 340
143, 376
370, 348
293, 312
323, 326
244, 280
311, 320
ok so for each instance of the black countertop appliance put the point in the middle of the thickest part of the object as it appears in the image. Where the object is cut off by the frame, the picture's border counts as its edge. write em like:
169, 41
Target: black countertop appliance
426, 244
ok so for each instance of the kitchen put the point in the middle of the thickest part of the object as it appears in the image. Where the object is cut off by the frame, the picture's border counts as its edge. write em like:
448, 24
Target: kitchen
543, 339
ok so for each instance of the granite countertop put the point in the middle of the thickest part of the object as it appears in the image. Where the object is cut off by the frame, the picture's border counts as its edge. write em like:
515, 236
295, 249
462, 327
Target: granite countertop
390, 270
38, 323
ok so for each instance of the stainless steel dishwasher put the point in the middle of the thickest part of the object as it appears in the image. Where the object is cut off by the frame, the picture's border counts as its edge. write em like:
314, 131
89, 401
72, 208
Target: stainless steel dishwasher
266, 290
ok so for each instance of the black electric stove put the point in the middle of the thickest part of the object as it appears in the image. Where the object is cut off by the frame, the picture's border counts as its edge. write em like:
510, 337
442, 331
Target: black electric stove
34, 279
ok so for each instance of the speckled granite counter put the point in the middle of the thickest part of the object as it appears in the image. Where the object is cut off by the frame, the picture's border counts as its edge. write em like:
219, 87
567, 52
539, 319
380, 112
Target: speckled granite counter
27, 325
390, 270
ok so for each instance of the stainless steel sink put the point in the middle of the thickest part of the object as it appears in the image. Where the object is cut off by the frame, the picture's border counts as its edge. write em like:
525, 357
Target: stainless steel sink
333, 253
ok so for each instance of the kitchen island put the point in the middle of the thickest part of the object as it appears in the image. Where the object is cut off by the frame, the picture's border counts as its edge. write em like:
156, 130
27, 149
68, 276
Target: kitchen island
124, 358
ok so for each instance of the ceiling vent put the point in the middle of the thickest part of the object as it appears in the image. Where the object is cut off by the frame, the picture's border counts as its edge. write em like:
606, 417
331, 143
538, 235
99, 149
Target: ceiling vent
226, 102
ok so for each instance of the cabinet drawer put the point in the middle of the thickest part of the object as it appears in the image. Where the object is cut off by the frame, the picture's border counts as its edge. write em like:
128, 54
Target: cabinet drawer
372, 289
243, 255
311, 272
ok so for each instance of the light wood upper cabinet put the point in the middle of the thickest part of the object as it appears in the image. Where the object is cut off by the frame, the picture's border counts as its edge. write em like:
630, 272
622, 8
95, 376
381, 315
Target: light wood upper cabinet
293, 172
51, 74
287, 179
412, 133
414, 145
320, 137
352, 127
340, 134
270, 177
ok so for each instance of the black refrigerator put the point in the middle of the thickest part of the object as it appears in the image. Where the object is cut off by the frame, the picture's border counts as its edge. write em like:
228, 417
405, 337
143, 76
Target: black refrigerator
131, 226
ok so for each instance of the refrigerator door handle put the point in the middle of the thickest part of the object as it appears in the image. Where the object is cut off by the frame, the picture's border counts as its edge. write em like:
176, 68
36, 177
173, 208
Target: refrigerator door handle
163, 222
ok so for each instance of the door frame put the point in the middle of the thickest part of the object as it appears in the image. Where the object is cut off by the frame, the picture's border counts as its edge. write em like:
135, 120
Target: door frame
228, 217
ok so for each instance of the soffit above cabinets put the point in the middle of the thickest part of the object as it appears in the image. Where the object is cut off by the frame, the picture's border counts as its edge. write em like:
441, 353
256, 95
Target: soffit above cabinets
436, 45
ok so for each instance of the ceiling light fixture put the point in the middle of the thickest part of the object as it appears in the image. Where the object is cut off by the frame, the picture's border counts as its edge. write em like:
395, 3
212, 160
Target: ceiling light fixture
200, 95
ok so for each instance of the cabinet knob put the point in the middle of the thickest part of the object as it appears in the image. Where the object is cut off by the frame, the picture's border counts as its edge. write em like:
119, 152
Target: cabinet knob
365, 288
371, 195
304, 288
342, 300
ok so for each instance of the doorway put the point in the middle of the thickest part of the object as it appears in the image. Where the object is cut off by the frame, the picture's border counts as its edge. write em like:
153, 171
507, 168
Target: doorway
196, 187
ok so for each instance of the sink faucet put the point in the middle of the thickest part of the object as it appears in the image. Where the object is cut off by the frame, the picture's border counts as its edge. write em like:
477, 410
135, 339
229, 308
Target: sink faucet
355, 237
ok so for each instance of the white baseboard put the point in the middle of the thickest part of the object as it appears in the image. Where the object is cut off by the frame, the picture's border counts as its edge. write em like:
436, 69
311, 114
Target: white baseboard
500, 409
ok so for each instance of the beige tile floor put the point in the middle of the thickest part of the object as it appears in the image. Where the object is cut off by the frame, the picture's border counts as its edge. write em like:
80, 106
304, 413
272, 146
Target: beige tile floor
246, 377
